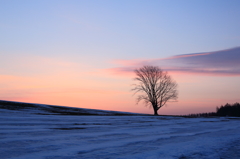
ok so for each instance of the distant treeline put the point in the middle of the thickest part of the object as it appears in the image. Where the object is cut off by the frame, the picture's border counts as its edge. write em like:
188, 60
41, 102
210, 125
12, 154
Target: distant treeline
229, 110
226, 110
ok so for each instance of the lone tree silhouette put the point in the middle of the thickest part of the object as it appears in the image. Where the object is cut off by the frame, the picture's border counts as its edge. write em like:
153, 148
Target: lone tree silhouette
155, 86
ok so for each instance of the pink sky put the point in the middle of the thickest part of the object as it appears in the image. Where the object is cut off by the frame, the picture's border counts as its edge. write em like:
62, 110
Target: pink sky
59, 82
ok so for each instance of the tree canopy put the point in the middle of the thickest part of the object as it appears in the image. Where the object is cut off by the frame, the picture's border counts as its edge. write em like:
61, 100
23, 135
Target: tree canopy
155, 87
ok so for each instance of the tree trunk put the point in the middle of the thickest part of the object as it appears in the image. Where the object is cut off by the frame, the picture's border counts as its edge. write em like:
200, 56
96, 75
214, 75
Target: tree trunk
155, 111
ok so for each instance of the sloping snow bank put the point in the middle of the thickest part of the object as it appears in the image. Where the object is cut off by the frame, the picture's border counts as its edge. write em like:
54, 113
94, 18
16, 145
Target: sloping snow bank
56, 110
27, 135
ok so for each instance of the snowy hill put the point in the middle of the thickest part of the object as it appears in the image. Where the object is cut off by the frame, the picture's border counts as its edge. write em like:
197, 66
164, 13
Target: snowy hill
56, 110
48, 132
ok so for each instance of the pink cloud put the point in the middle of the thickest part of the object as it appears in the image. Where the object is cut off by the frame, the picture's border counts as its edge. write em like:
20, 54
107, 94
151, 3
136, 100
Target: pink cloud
221, 63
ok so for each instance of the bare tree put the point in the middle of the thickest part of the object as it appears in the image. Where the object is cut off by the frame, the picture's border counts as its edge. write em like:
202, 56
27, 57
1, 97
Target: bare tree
155, 86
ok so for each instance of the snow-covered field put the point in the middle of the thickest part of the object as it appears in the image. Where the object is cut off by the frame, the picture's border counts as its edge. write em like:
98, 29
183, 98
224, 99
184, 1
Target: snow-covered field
25, 135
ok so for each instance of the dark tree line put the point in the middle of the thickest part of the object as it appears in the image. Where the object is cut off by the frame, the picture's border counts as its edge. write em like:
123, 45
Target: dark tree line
203, 114
224, 110
229, 110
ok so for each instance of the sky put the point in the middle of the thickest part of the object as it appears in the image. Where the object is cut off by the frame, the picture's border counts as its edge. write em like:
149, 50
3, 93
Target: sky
82, 53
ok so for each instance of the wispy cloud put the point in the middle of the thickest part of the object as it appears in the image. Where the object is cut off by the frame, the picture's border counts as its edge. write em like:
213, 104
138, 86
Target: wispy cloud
223, 62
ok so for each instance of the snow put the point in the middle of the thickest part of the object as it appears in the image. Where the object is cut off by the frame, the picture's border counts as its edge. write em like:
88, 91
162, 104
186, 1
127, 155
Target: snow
54, 110
27, 135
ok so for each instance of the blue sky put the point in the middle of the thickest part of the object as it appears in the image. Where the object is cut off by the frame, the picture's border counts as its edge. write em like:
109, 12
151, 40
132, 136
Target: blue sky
119, 29
78, 40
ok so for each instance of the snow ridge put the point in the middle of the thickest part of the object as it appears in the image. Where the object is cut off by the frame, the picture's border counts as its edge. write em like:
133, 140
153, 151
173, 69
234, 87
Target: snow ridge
49, 136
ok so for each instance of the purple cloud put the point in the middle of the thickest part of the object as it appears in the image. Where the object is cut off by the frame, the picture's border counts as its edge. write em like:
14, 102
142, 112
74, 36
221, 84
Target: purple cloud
223, 62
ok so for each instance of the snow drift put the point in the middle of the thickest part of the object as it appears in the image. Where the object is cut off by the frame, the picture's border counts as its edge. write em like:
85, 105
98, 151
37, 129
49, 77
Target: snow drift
40, 134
